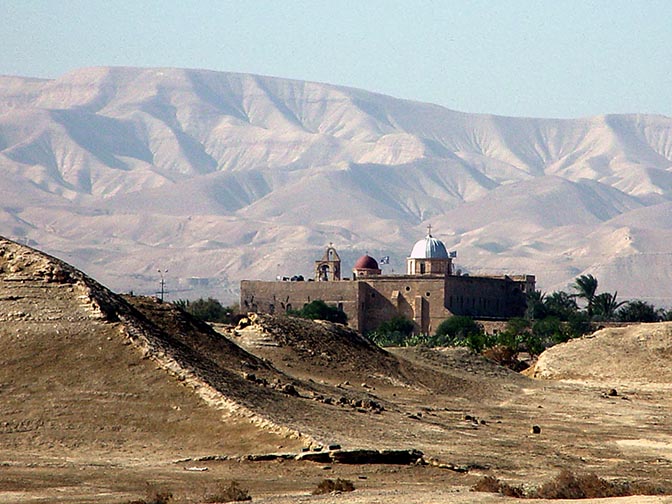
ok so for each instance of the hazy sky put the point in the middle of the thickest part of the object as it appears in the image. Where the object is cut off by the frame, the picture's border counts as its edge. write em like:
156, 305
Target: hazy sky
542, 58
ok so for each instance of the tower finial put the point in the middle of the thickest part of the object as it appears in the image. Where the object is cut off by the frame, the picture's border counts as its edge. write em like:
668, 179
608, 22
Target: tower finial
429, 230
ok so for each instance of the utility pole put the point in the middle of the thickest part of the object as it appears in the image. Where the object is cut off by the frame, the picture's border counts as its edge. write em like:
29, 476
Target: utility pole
163, 283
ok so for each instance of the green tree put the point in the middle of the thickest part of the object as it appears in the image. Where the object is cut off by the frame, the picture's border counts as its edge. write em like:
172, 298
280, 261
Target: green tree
548, 332
477, 342
638, 311
319, 310
209, 309
605, 306
516, 332
397, 331
586, 287
578, 324
455, 330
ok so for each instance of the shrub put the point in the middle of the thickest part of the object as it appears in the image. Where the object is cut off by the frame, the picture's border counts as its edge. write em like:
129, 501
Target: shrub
503, 356
486, 484
493, 485
328, 485
231, 493
477, 342
209, 310
398, 324
319, 310
397, 331
568, 485
455, 330
155, 497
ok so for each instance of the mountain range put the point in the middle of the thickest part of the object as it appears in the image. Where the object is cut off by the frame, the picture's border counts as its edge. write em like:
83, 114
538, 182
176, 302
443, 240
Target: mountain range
206, 178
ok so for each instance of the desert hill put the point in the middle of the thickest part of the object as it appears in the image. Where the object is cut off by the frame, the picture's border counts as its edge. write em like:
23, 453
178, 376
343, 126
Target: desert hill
637, 353
84, 373
219, 176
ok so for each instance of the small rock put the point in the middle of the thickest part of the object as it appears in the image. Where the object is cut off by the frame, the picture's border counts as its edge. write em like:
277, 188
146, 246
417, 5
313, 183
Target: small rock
536, 429
289, 389
612, 393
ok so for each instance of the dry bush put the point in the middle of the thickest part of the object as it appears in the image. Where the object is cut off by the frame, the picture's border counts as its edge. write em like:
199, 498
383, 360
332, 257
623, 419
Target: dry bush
488, 484
231, 493
328, 485
493, 485
647, 488
155, 497
568, 485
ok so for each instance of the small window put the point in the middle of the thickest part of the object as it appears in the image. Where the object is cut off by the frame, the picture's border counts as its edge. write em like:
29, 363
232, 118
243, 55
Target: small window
428, 293
408, 288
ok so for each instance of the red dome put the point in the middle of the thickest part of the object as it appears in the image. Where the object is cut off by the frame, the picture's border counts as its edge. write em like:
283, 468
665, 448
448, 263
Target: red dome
366, 262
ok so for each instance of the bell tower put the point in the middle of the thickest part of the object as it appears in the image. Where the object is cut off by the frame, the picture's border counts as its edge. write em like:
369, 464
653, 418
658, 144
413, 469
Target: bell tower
328, 268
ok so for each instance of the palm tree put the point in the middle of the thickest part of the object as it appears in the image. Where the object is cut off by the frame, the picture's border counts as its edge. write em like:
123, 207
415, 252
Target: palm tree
605, 305
640, 311
560, 304
536, 308
586, 286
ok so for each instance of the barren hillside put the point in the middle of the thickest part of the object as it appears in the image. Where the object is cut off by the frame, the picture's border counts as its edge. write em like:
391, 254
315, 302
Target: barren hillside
85, 375
219, 176
637, 353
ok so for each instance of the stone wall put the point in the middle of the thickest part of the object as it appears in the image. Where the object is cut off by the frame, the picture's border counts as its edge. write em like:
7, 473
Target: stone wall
280, 297
485, 297
419, 299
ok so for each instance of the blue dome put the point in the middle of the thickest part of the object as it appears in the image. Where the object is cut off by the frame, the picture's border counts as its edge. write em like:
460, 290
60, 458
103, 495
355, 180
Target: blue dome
429, 248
